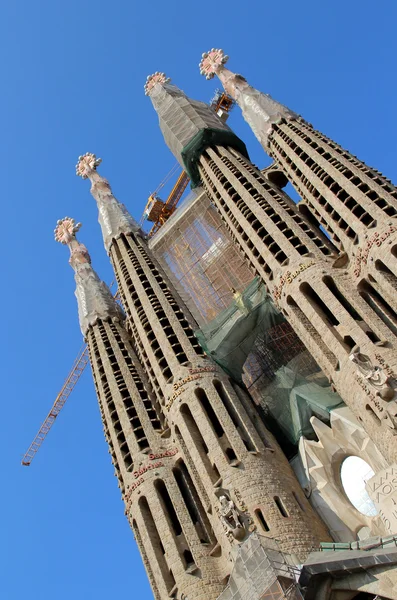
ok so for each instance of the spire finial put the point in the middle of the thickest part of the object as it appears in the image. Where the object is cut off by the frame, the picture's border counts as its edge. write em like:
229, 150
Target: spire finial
94, 299
86, 164
65, 233
152, 80
65, 230
212, 61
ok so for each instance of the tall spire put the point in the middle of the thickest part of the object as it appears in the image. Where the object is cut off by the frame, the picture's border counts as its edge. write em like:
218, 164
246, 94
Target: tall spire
94, 299
114, 218
259, 109
188, 126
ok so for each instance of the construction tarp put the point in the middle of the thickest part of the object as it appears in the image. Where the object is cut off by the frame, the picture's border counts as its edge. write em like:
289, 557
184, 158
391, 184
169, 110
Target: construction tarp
292, 399
208, 138
230, 337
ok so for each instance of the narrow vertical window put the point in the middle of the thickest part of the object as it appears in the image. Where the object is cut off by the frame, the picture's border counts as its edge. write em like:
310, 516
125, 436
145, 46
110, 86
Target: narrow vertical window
174, 523
216, 424
193, 503
156, 543
281, 507
199, 443
234, 415
259, 515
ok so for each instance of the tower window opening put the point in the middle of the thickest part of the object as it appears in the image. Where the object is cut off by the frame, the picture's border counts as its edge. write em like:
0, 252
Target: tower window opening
231, 455
349, 341
234, 415
156, 544
145, 558
188, 558
333, 288
199, 442
312, 331
193, 502
212, 417
216, 424
257, 419
169, 507
379, 305
318, 303
259, 515
281, 507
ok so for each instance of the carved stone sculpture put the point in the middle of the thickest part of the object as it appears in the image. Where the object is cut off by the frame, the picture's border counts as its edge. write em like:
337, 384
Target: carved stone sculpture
229, 515
374, 375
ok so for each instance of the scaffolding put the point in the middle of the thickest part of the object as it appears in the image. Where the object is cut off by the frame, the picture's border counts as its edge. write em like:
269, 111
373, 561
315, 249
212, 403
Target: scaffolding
200, 258
238, 323
263, 572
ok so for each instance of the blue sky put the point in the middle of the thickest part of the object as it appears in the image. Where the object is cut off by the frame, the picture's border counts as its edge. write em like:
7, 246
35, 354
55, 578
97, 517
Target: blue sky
72, 76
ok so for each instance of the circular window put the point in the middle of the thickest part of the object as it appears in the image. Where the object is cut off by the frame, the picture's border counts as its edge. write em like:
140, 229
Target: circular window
354, 473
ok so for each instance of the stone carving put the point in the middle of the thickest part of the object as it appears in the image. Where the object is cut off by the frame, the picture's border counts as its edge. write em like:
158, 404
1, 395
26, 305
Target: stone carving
243, 507
259, 110
113, 218
318, 472
382, 488
230, 518
65, 233
86, 164
211, 61
65, 230
94, 299
151, 81
376, 240
374, 375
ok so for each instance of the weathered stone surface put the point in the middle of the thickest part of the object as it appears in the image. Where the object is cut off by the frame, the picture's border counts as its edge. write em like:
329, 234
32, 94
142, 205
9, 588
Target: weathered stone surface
382, 489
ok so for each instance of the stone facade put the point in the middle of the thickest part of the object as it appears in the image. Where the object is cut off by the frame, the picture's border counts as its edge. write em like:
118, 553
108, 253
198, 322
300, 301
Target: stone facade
307, 280
212, 469
353, 202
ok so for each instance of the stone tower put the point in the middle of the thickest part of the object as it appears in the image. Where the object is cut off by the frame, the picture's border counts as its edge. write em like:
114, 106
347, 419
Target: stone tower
354, 203
219, 474
301, 267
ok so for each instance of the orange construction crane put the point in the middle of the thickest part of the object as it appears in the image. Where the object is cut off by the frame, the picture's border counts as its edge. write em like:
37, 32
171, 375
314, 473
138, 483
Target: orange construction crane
160, 211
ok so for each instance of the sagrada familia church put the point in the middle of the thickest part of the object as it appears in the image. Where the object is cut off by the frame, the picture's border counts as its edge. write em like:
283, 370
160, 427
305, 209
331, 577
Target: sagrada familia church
249, 398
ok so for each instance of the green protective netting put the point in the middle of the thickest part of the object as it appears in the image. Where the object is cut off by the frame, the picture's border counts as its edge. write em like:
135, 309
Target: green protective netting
289, 386
230, 337
208, 138
291, 399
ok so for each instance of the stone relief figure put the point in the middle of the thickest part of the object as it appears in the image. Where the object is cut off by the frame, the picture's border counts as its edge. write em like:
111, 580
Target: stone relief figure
374, 375
229, 516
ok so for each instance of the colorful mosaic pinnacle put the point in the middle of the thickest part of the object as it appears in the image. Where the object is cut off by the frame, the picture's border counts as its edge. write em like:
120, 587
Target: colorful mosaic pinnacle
157, 77
65, 230
86, 163
211, 61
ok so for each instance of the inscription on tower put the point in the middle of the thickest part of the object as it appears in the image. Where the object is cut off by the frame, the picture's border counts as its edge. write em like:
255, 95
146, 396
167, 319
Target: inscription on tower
382, 489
